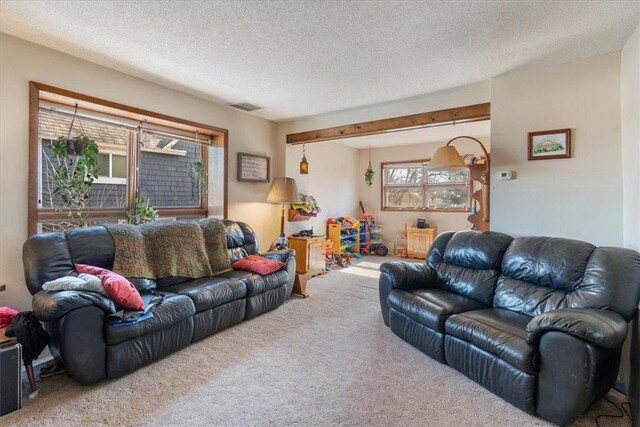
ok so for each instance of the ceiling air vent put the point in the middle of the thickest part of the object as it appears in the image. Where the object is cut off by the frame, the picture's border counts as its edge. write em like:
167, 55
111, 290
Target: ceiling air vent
245, 106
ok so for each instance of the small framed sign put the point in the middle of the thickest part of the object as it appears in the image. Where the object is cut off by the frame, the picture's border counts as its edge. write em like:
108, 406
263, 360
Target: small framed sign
253, 168
550, 144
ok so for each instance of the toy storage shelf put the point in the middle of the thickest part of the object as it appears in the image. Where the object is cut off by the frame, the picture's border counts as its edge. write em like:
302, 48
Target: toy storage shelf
370, 237
345, 238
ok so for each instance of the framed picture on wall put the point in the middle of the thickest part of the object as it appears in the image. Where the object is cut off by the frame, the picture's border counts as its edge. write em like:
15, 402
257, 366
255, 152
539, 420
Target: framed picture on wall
550, 144
253, 168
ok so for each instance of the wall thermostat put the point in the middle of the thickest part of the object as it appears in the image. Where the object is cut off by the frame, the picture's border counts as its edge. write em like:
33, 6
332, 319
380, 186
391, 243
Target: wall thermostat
506, 175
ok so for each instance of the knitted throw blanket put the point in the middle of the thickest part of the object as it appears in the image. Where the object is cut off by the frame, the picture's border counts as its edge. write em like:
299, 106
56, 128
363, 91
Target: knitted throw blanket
170, 248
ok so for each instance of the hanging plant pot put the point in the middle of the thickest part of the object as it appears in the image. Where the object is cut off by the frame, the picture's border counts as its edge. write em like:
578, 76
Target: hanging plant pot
79, 146
76, 146
368, 175
71, 147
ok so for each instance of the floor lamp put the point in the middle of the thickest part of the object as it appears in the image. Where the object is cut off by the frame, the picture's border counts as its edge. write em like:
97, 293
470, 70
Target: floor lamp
283, 190
447, 157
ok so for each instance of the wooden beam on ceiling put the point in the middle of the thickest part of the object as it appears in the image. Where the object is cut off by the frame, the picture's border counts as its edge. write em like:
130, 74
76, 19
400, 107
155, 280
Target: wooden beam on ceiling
468, 113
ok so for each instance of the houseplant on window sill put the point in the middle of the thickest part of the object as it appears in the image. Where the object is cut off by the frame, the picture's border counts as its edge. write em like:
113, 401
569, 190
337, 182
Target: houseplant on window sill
142, 213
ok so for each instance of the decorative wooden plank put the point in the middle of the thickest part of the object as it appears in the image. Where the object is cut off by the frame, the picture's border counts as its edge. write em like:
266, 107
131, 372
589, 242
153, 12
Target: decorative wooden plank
469, 113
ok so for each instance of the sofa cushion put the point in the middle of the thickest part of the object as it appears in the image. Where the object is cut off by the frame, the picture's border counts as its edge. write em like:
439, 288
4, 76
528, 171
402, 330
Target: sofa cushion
171, 310
91, 246
468, 262
547, 261
476, 249
210, 292
497, 331
241, 240
430, 307
257, 284
540, 274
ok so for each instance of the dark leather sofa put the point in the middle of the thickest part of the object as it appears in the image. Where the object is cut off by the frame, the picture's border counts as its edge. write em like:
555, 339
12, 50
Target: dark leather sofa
538, 321
82, 336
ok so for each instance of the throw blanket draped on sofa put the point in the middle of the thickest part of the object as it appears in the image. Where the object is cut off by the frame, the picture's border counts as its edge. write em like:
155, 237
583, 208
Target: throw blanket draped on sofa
163, 249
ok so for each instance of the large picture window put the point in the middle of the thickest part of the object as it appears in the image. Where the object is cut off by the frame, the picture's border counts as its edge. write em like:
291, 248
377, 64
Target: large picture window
411, 186
176, 166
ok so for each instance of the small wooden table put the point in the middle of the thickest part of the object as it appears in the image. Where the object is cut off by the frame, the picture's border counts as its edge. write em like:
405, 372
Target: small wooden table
309, 260
419, 241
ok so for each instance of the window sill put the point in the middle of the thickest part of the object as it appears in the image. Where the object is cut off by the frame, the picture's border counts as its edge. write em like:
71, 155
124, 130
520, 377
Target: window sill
457, 210
116, 181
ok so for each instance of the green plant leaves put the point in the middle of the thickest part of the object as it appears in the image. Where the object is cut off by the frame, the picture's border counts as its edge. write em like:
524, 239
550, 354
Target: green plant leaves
75, 169
142, 212
198, 176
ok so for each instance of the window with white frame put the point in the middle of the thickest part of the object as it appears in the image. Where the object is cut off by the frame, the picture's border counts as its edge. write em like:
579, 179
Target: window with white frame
112, 169
411, 186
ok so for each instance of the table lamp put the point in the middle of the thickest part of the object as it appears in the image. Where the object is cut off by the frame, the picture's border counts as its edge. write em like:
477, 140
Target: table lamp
283, 190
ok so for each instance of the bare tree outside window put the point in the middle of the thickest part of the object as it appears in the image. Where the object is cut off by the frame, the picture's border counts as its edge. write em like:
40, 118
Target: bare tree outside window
410, 186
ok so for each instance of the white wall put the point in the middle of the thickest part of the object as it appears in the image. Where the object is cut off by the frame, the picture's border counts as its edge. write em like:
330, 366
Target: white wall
331, 180
580, 197
630, 129
392, 221
21, 61
630, 116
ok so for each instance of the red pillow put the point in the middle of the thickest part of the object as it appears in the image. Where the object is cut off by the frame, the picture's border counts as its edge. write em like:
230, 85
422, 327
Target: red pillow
258, 264
6, 316
117, 287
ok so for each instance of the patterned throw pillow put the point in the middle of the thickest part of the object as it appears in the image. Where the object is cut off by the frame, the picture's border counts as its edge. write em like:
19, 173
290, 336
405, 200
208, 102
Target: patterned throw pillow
258, 264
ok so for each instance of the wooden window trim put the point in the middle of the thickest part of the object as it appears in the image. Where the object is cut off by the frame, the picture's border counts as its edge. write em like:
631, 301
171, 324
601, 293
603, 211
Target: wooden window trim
219, 137
383, 187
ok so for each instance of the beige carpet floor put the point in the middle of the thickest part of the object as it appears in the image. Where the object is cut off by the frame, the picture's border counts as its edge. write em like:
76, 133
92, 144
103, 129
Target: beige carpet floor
321, 361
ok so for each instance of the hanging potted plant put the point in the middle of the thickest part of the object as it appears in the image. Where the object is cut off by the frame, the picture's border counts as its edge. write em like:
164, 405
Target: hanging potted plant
198, 176
369, 173
75, 169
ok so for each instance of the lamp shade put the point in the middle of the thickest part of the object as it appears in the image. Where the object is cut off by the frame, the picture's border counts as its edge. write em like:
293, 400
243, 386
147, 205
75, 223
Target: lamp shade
446, 157
283, 190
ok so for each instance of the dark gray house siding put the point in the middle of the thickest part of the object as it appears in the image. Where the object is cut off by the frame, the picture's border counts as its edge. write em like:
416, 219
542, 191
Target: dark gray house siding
164, 178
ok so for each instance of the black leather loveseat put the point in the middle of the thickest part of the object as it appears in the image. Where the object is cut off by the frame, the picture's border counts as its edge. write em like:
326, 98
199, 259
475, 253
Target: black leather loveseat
82, 336
538, 321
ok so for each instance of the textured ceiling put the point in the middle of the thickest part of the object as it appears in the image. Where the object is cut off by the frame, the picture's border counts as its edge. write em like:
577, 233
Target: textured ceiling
439, 134
304, 58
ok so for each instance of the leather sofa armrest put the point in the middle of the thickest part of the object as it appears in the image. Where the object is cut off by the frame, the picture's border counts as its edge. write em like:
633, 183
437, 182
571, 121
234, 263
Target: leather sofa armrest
288, 257
409, 275
602, 328
50, 306
282, 255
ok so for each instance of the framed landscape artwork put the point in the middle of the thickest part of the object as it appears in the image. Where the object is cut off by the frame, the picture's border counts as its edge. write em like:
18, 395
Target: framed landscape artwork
550, 144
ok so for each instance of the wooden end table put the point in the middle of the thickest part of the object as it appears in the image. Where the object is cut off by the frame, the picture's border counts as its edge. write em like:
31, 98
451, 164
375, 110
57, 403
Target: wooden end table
309, 260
